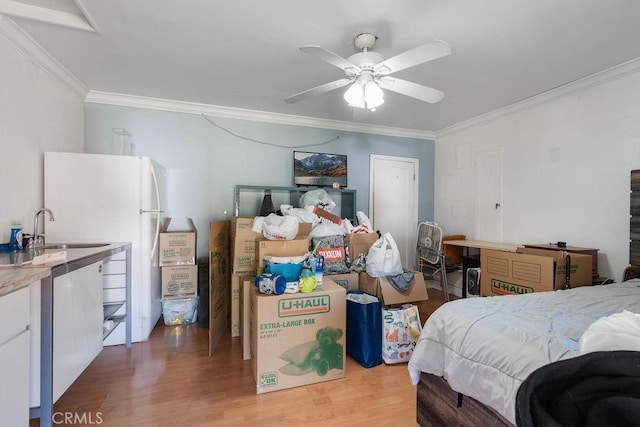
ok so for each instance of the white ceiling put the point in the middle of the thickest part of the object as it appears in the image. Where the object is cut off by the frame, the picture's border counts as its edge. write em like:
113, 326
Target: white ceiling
244, 54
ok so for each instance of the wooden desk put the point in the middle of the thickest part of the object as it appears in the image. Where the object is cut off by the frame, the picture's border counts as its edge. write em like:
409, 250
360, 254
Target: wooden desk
471, 260
478, 244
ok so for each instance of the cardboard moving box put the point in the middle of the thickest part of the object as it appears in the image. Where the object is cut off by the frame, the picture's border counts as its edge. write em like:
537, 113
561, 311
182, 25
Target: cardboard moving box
529, 270
236, 299
298, 339
281, 248
177, 247
348, 281
358, 243
219, 281
179, 281
381, 288
247, 283
243, 245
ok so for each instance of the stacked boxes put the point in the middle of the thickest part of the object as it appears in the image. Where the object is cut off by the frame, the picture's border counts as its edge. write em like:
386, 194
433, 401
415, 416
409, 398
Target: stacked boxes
177, 258
247, 250
178, 261
243, 262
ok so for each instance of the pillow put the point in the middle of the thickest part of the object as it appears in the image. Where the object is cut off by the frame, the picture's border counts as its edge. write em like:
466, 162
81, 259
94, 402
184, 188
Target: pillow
618, 331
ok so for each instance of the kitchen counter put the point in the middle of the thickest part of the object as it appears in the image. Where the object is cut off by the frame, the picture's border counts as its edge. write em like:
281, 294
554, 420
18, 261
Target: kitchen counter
12, 279
74, 252
17, 271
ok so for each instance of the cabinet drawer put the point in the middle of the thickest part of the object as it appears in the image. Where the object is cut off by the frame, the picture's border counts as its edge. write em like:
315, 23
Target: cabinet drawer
14, 313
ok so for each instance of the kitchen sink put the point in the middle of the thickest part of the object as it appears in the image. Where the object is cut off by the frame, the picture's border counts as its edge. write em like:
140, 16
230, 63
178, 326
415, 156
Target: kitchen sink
74, 245
24, 258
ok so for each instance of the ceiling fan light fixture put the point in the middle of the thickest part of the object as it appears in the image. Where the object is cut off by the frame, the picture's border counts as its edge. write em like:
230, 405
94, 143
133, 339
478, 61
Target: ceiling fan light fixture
364, 93
373, 95
355, 95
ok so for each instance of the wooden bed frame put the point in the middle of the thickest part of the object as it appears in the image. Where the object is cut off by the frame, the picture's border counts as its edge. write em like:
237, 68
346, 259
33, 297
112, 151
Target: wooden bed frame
438, 405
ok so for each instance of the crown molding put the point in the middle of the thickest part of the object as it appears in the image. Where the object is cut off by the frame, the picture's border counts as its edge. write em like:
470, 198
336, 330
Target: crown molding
601, 77
110, 98
50, 15
40, 57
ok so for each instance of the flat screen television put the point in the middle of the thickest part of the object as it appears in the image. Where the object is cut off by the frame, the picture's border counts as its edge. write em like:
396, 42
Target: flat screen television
319, 169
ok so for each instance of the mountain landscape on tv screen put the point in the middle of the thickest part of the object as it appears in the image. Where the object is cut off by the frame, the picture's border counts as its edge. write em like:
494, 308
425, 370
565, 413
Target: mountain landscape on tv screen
320, 169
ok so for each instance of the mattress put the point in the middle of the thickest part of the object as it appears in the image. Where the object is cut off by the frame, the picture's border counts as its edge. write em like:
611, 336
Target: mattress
486, 347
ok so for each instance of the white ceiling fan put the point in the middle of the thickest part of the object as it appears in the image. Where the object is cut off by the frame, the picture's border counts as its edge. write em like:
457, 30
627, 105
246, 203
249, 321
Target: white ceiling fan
368, 73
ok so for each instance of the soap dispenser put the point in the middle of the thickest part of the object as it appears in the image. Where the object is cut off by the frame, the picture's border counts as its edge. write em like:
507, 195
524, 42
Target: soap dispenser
15, 242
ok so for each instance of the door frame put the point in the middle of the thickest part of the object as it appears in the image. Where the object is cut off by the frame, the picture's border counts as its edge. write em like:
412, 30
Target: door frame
411, 217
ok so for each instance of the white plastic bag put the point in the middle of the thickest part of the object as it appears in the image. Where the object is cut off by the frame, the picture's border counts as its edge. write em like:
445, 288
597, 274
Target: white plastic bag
303, 215
318, 198
383, 258
326, 229
275, 227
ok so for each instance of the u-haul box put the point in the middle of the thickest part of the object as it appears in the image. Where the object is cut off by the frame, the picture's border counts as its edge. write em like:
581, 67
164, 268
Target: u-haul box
508, 273
297, 339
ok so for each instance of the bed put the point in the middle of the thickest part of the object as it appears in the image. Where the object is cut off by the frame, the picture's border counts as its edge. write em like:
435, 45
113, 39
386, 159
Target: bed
473, 354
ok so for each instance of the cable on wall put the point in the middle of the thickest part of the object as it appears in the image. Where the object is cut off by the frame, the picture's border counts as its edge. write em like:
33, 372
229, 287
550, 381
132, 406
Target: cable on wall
264, 142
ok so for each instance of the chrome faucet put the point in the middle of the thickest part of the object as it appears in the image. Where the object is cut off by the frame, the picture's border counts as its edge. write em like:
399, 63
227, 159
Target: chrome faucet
38, 239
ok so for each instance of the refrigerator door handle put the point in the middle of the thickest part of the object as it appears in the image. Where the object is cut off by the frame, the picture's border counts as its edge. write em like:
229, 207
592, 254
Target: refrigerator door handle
151, 211
155, 186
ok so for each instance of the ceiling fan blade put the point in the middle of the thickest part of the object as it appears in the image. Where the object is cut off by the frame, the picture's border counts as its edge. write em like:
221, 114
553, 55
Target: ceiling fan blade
414, 90
318, 90
418, 55
336, 60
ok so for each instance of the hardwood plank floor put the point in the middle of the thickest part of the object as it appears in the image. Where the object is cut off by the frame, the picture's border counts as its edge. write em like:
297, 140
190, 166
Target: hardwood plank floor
170, 380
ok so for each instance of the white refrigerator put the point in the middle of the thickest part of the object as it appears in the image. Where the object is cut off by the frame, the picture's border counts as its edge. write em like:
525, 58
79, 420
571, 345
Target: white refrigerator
111, 198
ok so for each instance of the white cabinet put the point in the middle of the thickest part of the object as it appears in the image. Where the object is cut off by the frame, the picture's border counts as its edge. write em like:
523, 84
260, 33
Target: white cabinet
77, 324
14, 358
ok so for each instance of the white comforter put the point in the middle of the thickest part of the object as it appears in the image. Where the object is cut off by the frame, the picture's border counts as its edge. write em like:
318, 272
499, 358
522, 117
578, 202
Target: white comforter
486, 347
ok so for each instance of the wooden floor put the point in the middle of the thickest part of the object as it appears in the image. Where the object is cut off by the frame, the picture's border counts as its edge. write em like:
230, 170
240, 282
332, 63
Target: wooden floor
170, 380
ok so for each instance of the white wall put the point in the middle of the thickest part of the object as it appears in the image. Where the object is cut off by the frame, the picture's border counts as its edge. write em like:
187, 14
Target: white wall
567, 162
38, 113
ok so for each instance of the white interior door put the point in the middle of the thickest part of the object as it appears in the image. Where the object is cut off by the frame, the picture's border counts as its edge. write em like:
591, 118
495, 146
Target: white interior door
393, 201
488, 195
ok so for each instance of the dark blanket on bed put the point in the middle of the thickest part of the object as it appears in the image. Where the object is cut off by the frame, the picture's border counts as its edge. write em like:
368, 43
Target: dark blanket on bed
595, 389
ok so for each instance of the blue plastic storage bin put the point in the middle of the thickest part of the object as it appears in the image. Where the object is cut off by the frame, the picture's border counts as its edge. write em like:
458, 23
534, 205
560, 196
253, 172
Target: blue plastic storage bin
291, 272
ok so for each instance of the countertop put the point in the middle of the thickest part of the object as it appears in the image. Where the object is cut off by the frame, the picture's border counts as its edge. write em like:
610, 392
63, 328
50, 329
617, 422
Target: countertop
12, 279
16, 270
